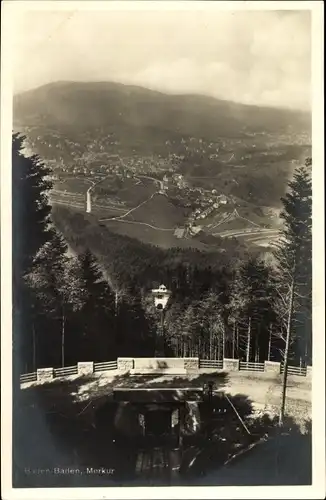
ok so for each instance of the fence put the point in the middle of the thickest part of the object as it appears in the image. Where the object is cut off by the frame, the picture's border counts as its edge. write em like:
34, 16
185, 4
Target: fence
211, 363
102, 367
295, 370
188, 364
65, 371
28, 377
252, 367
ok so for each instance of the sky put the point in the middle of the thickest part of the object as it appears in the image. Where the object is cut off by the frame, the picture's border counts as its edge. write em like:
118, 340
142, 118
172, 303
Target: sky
256, 57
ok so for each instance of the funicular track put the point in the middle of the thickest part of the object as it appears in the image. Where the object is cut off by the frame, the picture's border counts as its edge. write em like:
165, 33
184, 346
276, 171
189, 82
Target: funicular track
161, 462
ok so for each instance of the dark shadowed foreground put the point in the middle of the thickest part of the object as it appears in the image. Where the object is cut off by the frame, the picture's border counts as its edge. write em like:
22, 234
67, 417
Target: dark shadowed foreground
61, 440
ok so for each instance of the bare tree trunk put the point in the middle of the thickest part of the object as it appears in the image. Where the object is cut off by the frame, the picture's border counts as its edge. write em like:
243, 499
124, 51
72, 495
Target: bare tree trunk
248, 340
34, 349
269, 343
257, 345
162, 340
116, 300
286, 354
233, 341
210, 344
223, 342
219, 348
306, 352
63, 340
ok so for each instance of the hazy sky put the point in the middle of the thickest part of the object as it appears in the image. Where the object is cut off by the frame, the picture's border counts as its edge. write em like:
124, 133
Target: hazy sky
253, 57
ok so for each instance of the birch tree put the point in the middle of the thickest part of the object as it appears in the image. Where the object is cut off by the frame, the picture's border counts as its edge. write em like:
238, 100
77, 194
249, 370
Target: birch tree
54, 282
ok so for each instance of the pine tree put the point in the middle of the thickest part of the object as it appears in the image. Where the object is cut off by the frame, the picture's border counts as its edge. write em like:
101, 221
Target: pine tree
31, 210
294, 268
136, 329
96, 315
30, 230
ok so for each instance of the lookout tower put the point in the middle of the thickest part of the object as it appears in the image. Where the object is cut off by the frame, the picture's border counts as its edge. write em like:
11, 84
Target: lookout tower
161, 296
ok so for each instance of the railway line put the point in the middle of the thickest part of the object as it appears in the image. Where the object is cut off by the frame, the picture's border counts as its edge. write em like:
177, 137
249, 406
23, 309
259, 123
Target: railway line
256, 234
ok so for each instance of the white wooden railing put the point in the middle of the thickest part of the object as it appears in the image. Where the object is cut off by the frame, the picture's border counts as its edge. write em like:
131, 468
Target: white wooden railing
192, 364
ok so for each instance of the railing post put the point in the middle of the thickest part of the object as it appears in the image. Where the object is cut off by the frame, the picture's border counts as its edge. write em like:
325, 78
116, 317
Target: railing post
231, 365
272, 367
309, 372
191, 364
45, 374
125, 364
85, 367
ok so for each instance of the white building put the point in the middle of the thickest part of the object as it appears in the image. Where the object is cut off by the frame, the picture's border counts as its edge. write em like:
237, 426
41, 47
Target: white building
161, 296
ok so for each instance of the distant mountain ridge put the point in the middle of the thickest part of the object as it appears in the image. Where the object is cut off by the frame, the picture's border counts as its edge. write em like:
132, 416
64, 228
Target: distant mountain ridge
96, 104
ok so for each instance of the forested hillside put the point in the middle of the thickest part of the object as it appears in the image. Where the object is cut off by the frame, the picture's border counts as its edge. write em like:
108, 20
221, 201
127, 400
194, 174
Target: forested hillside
126, 259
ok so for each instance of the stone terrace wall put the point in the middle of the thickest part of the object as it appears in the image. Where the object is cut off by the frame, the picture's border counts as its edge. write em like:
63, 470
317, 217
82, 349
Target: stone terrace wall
158, 363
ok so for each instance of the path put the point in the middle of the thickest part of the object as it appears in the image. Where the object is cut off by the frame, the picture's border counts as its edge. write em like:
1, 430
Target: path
129, 211
94, 184
262, 389
139, 223
151, 178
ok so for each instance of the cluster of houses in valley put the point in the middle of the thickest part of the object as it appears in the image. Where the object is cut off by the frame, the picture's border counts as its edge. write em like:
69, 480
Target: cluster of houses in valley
209, 206
176, 180
191, 227
187, 231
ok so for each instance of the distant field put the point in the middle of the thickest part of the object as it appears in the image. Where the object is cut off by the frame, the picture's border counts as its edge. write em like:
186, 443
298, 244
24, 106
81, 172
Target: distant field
146, 234
133, 207
155, 222
260, 239
159, 211
265, 239
133, 192
73, 185
231, 224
